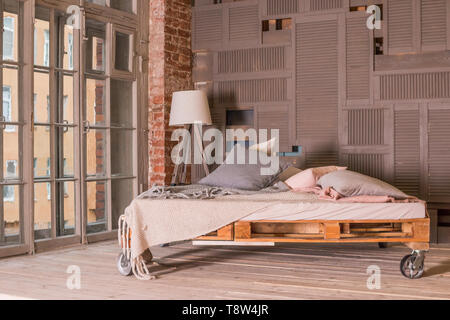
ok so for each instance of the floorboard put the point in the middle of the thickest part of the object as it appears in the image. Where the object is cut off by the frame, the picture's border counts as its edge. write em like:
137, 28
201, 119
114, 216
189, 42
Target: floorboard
287, 271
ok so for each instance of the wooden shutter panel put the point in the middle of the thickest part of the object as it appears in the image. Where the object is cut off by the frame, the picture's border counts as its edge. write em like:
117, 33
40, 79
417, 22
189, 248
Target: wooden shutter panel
251, 60
255, 90
316, 5
358, 58
407, 151
366, 127
439, 155
434, 24
316, 79
370, 164
431, 85
244, 24
275, 7
400, 25
207, 25
275, 118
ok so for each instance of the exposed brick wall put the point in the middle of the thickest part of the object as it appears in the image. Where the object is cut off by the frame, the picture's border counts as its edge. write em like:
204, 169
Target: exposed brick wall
170, 70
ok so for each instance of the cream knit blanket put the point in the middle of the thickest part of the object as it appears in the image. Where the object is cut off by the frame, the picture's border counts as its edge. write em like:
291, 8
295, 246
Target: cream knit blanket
192, 211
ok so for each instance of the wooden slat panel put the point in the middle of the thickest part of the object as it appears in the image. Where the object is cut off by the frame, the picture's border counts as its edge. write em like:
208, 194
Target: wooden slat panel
407, 151
369, 164
244, 23
439, 155
316, 79
431, 85
252, 90
275, 7
251, 60
276, 118
316, 5
400, 25
207, 27
320, 159
366, 127
358, 58
434, 23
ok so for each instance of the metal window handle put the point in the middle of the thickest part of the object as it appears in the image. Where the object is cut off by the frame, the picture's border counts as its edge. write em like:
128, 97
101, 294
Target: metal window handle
87, 126
2, 121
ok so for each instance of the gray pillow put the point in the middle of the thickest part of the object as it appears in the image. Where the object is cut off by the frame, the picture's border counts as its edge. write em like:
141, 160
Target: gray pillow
350, 183
240, 176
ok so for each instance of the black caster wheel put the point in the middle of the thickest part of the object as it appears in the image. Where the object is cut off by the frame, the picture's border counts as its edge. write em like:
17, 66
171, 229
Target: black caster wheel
411, 266
124, 265
382, 245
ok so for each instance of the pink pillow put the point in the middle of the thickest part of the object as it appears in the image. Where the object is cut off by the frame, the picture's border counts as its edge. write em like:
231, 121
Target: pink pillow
309, 177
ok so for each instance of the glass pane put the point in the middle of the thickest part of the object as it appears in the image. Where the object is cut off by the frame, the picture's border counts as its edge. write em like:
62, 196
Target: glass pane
95, 99
68, 47
67, 100
99, 2
96, 206
124, 5
95, 48
42, 38
121, 103
10, 95
42, 152
41, 98
10, 36
121, 195
122, 54
121, 152
66, 216
11, 160
66, 165
10, 226
98, 54
42, 210
96, 153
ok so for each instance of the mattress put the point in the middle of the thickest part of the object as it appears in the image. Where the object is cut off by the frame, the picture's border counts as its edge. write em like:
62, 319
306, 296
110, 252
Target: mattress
290, 206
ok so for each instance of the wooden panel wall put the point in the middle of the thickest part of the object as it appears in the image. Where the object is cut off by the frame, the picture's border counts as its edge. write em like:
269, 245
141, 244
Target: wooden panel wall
319, 81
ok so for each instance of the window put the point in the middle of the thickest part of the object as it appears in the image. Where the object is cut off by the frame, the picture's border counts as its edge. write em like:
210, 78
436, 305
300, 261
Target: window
65, 102
48, 111
49, 56
11, 166
8, 191
7, 106
8, 38
34, 107
70, 51
46, 48
35, 46
49, 187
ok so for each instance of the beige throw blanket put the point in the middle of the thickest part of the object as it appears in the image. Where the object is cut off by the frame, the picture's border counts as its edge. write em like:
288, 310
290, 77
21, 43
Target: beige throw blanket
192, 211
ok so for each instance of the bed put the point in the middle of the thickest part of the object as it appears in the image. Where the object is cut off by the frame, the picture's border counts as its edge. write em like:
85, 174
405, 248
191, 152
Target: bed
281, 216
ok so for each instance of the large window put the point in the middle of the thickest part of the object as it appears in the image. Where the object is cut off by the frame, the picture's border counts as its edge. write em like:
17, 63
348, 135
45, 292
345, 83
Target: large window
68, 126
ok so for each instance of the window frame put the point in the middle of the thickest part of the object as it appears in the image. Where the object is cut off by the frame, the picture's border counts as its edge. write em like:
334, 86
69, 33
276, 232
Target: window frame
26, 65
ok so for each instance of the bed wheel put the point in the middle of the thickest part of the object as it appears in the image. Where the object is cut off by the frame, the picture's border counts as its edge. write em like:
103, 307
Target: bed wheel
124, 265
382, 245
412, 265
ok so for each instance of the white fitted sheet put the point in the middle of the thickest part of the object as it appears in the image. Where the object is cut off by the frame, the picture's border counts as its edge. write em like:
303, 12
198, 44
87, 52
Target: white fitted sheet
302, 206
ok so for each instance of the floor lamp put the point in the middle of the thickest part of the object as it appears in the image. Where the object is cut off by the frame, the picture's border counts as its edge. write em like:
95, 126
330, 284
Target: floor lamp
191, 109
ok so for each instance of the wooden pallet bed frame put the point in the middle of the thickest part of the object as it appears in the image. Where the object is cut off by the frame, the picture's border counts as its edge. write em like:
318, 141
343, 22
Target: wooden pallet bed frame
414, 233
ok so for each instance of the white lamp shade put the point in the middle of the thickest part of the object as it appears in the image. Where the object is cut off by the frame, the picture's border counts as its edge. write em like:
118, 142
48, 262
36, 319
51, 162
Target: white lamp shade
189, 107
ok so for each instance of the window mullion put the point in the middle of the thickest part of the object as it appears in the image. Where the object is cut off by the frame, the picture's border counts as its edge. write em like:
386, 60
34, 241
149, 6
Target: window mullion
108, 69
53, 105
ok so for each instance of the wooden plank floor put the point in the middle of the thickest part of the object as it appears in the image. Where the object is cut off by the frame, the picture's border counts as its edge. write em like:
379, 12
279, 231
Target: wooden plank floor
291, 271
